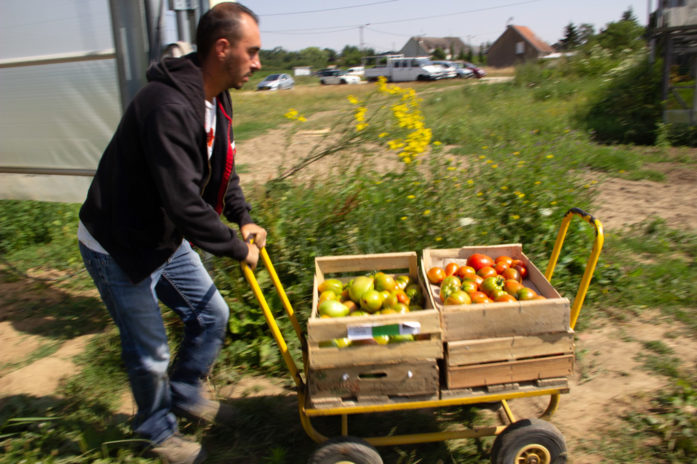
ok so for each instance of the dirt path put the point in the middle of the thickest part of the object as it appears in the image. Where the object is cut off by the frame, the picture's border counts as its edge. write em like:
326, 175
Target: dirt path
609, 379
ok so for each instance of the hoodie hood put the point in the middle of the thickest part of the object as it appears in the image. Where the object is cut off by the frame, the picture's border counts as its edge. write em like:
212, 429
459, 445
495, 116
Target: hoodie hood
184, 74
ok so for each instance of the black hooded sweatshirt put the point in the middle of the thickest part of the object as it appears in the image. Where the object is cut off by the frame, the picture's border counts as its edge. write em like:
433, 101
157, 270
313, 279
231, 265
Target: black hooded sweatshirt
155, 185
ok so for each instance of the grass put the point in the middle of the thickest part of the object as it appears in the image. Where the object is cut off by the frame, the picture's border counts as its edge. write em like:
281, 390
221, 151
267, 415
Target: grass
517, 163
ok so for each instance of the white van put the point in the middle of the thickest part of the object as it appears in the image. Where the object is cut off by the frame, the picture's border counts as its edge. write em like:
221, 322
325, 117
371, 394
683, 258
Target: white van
398, 68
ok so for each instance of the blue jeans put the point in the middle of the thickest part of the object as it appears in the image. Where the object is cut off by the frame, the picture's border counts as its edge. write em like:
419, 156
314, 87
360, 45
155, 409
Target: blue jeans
182, 284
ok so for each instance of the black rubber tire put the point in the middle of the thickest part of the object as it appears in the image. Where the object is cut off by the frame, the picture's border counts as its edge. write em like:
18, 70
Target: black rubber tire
534, 438
345, 450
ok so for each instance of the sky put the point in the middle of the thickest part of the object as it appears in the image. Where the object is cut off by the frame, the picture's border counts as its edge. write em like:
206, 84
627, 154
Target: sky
386, 25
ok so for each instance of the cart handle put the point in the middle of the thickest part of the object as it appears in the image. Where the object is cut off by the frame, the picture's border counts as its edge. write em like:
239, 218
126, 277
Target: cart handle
590, 265
271, 320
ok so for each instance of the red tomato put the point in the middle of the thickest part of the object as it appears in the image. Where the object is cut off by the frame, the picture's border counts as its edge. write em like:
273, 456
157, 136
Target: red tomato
504, 259
479, 279
500, 267
512, 273
512, 286
497, 293
451, 268
505, 297
487, 271
523, 271
466, 272
479, 297
479, 260
435, 275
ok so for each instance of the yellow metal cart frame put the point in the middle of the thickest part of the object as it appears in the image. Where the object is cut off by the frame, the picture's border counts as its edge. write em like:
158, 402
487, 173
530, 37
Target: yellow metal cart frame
531, 453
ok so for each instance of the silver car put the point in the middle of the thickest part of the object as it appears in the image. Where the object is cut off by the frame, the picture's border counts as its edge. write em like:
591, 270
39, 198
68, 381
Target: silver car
276, 82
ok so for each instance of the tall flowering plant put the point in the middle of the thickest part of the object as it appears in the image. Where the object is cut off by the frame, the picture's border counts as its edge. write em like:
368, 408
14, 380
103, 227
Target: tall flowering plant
390, 117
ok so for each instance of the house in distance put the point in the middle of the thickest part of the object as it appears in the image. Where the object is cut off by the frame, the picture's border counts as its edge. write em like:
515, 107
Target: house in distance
516, 45
426, 46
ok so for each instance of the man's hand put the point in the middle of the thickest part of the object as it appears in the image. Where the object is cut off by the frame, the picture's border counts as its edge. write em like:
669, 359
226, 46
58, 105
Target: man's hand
252, 256
258, 232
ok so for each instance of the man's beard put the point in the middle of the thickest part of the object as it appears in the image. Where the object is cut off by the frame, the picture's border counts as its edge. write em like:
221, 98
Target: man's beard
231, 68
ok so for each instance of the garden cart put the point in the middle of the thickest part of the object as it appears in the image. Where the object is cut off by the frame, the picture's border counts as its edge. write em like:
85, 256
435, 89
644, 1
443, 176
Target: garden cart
470, 374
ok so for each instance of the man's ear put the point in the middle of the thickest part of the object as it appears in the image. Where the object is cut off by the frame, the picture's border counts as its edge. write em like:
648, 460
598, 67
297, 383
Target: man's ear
220, 47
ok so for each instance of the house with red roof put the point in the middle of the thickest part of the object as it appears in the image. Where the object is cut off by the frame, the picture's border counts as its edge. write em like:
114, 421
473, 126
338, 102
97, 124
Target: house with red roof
516, 45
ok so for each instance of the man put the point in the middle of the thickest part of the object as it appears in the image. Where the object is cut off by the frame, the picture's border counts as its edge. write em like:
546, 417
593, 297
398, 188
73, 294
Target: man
162, 182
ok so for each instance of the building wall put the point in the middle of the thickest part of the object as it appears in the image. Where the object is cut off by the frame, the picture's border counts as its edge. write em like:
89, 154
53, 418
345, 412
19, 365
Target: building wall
412, 48
510, 49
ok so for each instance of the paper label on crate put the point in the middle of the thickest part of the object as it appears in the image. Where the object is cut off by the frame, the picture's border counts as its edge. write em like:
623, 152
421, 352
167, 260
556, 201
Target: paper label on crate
363, 332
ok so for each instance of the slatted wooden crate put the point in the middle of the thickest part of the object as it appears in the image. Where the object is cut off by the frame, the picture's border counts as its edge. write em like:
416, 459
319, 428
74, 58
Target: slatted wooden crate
371, 372
502, 343
465, 322
374, 384
507, 360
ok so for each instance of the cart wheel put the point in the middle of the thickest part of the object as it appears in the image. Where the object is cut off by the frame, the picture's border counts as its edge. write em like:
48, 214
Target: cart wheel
345, 450
529, 441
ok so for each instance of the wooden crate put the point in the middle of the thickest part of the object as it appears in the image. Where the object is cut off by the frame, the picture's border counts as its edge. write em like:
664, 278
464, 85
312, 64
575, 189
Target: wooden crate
428, 343
490, 320
508, 372
488, 350
373, 384
507, 360
376, 372
493, 345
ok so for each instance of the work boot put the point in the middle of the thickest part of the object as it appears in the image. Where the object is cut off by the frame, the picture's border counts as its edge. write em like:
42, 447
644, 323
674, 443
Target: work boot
179, 450
213, 412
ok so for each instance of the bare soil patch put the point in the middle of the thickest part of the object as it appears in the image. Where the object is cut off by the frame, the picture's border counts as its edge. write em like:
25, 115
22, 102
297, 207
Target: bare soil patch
622, 202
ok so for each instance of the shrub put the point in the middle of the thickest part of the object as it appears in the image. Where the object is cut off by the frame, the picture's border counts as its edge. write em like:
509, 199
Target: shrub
628, 108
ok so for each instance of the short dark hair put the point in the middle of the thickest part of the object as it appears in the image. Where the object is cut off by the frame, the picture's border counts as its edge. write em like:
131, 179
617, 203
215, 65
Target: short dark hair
221, 21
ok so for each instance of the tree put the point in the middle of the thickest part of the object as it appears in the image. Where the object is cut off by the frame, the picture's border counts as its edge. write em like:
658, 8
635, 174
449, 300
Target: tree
351, 56
332, 55
626, 34
438, 54
313, 56
585, 32
571, 37
629, 15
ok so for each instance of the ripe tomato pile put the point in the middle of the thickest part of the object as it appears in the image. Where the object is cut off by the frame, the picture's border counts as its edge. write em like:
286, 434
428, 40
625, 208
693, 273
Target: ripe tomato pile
482, 280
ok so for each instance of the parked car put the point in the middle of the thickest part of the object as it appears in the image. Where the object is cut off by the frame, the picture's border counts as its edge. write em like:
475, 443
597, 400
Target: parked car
478, 72
449, 70
324, 72
339, 77
463, 72
276, 82
356, 71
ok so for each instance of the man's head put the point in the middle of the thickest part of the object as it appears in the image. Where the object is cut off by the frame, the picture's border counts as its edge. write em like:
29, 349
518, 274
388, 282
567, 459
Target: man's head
228, 43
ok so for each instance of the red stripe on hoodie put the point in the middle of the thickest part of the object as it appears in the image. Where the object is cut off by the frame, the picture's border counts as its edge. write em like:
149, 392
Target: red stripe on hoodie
229, 161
